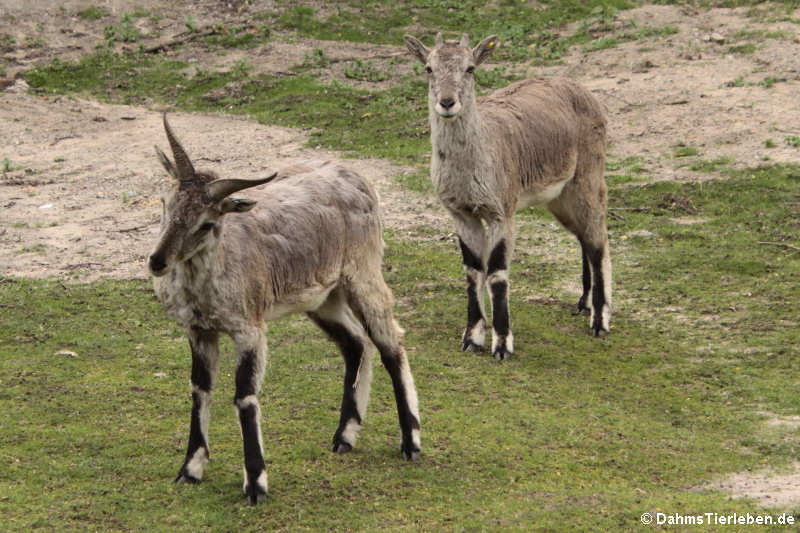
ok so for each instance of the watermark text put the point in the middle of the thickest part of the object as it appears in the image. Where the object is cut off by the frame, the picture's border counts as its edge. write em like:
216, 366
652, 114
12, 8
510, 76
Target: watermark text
717, 519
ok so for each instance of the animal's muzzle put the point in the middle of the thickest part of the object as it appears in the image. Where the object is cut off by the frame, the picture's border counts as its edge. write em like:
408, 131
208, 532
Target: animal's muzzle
157, 265
447, 103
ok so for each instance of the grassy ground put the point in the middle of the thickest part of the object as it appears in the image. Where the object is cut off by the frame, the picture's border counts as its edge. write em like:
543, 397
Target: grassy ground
572, 434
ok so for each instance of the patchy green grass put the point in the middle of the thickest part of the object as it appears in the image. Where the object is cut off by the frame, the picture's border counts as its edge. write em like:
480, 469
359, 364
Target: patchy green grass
598, 431
770, 81
641, 34
365, 71
525, 31
391, 123
238, 36
40, 249
418, 181
628, 170
743, 49
7, 42
682, 149
713, 165
93, 13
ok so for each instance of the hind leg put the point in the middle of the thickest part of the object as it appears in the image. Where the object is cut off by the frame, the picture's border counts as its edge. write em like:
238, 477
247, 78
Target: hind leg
585, 216
336, 319
600, 266
584, 302
371, 301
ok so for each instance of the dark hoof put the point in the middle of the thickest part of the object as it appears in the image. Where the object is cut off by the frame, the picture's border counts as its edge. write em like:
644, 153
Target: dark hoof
342, 447
468, 346
411, 455
256, 497
501, 354
255, 493
599, 332
585, 311
185, 477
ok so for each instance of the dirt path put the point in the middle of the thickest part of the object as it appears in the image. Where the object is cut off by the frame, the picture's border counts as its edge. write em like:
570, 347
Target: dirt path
83, 199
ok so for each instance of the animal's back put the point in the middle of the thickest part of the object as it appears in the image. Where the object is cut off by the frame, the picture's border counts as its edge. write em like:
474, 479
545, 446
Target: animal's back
306, 222
543, 124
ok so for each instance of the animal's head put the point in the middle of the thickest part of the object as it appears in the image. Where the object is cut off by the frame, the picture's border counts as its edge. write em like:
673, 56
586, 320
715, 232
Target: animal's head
193, 208
450, 67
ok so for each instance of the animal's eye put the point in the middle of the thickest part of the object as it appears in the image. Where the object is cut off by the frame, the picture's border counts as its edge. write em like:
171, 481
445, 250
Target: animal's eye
470, 69
428, 69
207, 226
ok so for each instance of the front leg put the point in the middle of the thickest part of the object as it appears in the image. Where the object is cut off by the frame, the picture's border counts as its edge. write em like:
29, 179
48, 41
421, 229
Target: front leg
472, 240
251, 350
501, 245
205, 355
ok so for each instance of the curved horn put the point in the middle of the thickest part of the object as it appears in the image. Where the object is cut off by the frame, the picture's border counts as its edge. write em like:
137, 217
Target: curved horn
182, 162
219, 189
464, 40
439, 39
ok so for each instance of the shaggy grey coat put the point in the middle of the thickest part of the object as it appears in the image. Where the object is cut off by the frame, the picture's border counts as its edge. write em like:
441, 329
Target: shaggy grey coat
537, 141
311, 242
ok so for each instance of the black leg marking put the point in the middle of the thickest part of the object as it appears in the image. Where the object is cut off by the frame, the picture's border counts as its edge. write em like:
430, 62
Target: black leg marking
201, 382
500, 307
497, 259
474, 316
408, 421
253, 459
501, 344
474, 313
196, 441
352, 350
245, 375
470, 259
201, 375
598, 293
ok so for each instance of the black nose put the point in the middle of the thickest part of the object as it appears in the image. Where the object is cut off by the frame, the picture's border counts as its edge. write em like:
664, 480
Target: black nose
157, 263
447, 103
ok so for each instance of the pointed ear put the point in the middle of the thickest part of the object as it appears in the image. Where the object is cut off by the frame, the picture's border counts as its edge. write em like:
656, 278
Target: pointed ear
484, 49
236, 204
170, 168
417, 49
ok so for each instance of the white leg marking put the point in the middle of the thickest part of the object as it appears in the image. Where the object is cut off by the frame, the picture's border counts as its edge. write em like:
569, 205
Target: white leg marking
197, 463
363, 381
494, 277
478, 333
509, 341
411, 390
261, 481
350, 433
247, 401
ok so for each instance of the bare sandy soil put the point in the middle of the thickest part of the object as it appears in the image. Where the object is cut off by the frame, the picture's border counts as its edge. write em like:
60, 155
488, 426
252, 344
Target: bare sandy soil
80, 200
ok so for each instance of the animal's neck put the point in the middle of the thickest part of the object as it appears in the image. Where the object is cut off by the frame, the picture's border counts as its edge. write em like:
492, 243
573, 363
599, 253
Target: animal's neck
201, 266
